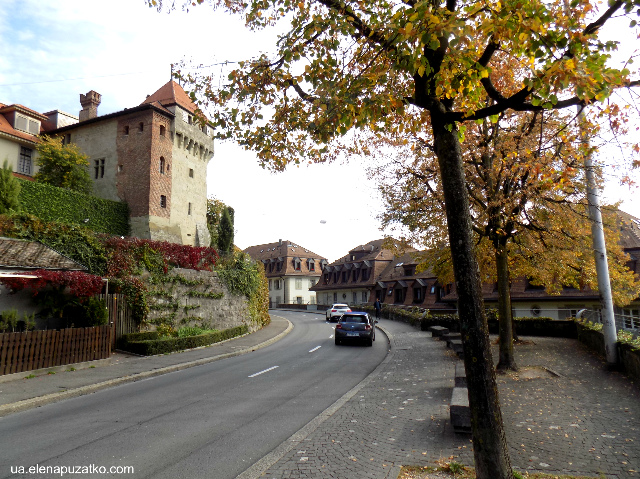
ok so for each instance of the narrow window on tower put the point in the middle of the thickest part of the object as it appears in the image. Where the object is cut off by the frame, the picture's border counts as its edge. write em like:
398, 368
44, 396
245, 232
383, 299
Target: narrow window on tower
163, 201
161, 130
189, 209
141, 126
162, 165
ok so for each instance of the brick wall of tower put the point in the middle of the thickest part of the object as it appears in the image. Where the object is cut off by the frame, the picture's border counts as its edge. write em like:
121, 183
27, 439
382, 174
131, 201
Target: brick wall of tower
160, 181
139, 180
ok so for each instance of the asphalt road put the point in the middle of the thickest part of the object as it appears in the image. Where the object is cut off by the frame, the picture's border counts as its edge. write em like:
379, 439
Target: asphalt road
211, 421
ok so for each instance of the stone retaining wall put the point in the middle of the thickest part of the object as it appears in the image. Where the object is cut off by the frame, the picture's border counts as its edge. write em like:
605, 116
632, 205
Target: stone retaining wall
224, 312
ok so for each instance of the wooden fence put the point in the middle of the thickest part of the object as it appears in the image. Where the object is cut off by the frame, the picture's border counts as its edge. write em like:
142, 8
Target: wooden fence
120, 317
21, 352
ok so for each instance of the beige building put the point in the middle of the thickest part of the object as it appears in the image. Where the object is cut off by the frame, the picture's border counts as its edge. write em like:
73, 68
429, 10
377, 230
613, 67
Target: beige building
291, 269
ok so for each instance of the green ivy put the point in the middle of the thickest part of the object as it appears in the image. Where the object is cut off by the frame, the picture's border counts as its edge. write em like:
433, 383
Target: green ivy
176, 278
244, 276
51, 203
200, 294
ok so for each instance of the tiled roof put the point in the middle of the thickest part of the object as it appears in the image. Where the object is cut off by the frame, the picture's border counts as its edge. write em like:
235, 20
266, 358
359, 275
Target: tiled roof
22, 254
372, 250
287, 251
629, 230
7, 128
171, 93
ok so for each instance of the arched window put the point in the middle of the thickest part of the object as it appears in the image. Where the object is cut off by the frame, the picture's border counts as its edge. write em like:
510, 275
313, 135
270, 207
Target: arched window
161, 130
162, 165
126, 130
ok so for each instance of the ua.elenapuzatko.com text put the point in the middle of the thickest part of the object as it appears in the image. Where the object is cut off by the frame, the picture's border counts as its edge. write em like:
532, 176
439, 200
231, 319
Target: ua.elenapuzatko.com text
68, 470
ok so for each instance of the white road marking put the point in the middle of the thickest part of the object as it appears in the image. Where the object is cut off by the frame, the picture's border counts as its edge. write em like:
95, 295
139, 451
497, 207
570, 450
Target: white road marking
262, 372
315, 349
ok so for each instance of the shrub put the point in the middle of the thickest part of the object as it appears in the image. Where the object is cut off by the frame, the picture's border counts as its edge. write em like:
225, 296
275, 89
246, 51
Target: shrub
149, 347
50, 203
9, 190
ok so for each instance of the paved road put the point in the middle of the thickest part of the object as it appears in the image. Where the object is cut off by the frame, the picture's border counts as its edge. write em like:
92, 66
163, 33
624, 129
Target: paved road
209, 421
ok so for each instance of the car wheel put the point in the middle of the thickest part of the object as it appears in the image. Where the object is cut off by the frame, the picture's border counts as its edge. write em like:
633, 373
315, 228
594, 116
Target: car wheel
370, 342
337, 342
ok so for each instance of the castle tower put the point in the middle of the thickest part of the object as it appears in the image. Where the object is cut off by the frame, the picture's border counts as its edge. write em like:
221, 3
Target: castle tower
89, 103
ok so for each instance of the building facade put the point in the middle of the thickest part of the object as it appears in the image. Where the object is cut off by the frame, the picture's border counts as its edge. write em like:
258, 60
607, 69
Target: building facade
19, 128
292, 271
352, 278
153, 156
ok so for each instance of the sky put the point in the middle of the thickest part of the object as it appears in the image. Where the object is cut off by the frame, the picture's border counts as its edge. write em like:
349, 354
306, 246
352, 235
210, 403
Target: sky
51, 52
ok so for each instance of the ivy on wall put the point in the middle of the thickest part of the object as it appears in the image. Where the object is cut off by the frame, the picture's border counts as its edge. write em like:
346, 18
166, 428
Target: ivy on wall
125, 260
51, 203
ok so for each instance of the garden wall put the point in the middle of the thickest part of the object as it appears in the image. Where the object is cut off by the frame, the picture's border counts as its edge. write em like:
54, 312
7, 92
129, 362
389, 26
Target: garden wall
628, 357
186, 297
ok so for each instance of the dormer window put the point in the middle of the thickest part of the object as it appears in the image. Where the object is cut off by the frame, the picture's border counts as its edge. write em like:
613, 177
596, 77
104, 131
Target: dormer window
26, 124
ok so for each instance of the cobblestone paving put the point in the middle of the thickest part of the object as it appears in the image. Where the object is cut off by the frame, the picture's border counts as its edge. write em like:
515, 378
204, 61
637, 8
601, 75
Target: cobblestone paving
563, 413
584, 421
400, 417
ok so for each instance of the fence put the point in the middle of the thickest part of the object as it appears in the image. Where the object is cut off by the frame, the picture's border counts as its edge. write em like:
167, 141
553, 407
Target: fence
31, 350
625, 319
120, 317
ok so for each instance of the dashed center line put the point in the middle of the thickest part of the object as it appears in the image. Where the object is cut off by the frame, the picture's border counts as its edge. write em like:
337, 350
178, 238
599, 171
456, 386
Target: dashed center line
315, 349
263, 371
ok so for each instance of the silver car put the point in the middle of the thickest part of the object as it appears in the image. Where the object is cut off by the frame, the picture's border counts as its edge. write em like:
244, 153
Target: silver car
337, 310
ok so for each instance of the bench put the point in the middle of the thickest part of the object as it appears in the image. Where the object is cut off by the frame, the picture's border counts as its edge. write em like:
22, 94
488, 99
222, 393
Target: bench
460, 380
451, 337
438, 331
459, 411
456, 345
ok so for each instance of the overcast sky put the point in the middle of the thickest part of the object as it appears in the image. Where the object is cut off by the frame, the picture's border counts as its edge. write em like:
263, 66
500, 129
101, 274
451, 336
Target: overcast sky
51, 52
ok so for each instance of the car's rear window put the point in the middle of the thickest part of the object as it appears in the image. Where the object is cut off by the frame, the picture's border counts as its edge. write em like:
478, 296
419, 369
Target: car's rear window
353, 319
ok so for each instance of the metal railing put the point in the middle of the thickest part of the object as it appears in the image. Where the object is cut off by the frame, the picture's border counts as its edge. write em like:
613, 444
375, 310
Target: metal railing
625, 320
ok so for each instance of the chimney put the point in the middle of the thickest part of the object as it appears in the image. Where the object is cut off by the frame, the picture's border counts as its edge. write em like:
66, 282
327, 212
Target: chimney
89, 103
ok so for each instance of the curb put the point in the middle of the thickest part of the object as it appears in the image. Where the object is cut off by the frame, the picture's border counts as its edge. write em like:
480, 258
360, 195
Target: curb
26, 404
257, 469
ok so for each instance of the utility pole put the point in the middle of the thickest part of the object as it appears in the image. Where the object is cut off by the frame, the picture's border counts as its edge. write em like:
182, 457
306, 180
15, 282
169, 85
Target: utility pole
600, 253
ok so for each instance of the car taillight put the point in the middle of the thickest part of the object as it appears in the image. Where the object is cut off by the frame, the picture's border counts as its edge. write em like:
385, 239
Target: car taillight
368, 326
348, 310
334, 310
338, 326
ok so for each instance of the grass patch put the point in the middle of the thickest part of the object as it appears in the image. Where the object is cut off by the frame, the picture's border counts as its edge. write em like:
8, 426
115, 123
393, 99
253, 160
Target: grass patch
454, 470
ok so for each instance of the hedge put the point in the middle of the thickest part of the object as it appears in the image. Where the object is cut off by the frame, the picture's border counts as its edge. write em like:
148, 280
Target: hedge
51, 203
149, 344
524, 326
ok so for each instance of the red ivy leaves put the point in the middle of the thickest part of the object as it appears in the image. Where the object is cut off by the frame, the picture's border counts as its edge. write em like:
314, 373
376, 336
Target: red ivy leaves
79, 284
126, 253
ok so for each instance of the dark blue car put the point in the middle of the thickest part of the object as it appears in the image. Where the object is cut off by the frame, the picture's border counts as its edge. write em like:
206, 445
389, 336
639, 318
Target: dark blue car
356, 326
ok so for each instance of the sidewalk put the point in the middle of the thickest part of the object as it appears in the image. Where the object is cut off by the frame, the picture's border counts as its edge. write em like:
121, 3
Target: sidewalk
19, 394
563, 412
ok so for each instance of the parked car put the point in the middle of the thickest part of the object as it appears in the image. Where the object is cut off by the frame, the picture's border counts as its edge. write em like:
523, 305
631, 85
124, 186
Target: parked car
337, 310
356, 326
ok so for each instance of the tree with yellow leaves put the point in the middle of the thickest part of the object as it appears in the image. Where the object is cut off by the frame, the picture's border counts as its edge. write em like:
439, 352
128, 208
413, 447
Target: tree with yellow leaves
418, 66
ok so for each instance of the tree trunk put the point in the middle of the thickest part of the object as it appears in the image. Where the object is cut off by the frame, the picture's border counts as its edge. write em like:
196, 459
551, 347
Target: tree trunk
507, 359
489, 442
